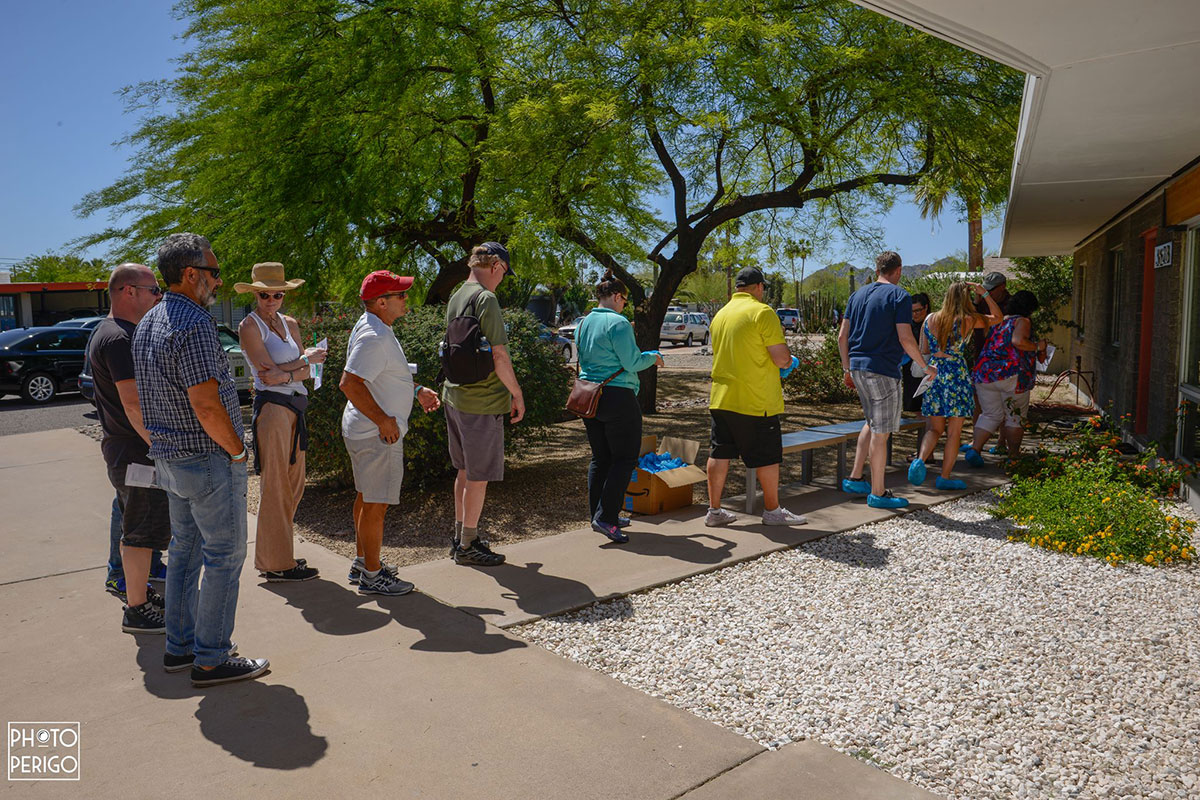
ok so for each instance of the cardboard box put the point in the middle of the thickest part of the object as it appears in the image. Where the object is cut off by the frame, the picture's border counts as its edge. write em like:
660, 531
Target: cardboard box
655, 492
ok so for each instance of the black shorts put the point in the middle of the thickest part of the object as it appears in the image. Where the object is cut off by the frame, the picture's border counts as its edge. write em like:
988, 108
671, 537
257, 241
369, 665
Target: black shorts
145, 513
758, 440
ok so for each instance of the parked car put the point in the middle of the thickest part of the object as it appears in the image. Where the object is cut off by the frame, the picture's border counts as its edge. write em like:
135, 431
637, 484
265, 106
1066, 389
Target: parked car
684, 327
568, 331
560, 343
229, 343
789, 318
40, 363
87, 323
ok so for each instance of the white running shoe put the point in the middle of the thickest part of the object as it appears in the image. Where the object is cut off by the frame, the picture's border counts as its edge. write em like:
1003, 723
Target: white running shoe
781, 516
719, 517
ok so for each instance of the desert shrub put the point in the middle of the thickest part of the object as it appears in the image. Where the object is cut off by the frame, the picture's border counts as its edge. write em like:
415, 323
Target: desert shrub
544, 379
818, 378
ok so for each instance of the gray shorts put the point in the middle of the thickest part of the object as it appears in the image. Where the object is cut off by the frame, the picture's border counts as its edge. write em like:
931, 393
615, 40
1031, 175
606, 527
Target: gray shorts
476, 443
882, 399
378, 469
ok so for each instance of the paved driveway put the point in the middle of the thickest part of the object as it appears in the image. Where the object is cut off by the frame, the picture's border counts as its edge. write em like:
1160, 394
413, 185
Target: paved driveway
66, 411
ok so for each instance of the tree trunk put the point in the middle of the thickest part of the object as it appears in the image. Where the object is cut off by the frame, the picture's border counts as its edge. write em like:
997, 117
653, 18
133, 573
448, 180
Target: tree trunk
649, 314
974, 235
449, 276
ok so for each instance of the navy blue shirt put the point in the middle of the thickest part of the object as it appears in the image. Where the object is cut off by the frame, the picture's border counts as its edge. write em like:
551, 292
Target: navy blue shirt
176, 347
873, 313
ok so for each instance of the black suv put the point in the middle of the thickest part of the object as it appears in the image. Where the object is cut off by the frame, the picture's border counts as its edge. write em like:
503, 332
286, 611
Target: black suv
41, 362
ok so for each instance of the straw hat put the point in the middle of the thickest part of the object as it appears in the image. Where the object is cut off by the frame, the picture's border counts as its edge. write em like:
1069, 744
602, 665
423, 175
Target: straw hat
267, 276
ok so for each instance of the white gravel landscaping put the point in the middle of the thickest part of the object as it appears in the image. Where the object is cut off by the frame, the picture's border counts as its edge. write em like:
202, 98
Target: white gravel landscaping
932, 647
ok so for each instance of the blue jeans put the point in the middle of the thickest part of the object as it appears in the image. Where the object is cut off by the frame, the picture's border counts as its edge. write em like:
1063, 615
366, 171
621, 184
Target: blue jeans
207, 494
116, 569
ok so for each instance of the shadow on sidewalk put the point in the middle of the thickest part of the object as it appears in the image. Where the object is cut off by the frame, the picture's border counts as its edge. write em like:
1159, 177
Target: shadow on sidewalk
536, 592
330, 607
687, 547
447, 629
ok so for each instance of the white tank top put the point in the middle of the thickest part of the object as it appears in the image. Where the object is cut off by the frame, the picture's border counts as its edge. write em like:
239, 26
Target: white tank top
281, 351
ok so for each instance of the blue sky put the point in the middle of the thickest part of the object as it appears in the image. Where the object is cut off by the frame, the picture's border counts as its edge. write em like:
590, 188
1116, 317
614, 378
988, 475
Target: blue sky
63, 63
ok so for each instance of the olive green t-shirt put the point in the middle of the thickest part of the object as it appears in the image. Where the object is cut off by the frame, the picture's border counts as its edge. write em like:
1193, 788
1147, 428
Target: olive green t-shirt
488, 396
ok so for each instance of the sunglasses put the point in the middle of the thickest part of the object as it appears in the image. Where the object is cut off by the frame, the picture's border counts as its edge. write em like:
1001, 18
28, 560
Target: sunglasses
269, 296
216, 271
153, 289
395, 294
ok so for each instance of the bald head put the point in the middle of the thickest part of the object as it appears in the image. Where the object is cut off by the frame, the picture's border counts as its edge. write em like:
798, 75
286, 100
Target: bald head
132, 291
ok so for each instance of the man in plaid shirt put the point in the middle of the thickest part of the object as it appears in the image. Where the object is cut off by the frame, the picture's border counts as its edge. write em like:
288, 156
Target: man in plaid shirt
190, 408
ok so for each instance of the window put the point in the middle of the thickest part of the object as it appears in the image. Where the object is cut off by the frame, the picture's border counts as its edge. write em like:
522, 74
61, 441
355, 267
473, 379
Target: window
1116, 257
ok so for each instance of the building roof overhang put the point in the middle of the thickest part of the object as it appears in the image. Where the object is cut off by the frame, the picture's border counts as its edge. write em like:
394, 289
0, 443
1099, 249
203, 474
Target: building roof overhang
1110, 105
66, 286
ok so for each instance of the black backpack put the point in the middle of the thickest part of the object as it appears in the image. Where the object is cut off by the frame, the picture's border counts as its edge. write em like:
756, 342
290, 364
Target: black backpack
464, 361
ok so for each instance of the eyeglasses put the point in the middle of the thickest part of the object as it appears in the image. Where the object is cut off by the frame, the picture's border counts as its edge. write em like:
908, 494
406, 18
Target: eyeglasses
153, 289
216, 271
269, 296
395, 294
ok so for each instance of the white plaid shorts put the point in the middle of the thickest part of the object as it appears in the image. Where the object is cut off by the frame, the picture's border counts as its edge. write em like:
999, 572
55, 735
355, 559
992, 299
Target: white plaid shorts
881, 397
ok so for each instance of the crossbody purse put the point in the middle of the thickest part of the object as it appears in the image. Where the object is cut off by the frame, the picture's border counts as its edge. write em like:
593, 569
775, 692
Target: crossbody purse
585, 396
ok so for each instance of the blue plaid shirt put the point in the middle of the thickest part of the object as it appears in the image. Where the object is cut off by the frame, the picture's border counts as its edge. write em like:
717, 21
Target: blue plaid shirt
176, 347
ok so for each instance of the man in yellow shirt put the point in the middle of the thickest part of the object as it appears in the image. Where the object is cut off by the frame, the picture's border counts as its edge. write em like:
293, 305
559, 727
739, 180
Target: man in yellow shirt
749, 356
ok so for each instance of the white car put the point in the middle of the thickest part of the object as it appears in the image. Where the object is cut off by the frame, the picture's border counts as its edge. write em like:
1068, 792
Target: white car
237, 362
684, 327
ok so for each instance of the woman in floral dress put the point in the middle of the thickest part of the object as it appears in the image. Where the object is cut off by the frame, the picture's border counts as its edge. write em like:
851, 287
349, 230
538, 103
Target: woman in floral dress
951, 398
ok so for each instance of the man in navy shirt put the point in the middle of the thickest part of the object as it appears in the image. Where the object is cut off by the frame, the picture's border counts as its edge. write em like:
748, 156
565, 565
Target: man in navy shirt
875, 334
190, 408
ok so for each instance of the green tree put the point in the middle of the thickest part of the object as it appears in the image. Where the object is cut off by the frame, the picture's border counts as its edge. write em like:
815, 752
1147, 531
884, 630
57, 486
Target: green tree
1051, 279
57, 268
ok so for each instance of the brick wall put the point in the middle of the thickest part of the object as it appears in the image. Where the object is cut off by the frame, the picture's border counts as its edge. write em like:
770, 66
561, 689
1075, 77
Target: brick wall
1116, 366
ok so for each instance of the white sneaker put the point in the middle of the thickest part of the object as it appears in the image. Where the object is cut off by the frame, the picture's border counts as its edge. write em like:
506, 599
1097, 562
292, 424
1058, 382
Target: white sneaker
781, 516
719, 517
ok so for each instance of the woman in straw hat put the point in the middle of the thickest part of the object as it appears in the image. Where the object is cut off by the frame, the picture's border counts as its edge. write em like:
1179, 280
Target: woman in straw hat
271, 342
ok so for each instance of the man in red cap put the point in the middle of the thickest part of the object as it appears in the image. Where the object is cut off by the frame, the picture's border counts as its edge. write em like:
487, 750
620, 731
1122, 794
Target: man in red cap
379, 388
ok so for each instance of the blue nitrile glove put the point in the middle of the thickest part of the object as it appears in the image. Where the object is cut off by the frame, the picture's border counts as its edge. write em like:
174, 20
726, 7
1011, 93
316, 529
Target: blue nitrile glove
785, 371
905, 360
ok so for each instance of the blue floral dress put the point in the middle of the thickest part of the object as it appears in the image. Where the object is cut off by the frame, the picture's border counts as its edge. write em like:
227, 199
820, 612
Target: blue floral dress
951, 394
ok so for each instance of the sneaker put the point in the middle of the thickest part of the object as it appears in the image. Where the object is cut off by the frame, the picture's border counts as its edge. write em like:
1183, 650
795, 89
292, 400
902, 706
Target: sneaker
180, 663
159, 574
296, 573
949, 484
719, 518
611, 531
624, 522
972, 456
916, 472
115, 586
781, 516
454, 543
383, 583
234, 669
154, 598
886, 500
477, 554
143, 619
858, 487
356, 569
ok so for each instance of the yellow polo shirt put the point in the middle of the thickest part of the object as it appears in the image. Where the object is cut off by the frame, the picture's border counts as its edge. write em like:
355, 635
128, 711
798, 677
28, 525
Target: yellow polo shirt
744, 378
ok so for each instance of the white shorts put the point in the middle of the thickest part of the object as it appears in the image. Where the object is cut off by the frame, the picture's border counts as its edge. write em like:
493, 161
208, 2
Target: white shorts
378, 469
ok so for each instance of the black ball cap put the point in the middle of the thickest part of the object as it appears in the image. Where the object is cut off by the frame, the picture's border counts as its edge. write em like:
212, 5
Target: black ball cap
750, 276
500, 251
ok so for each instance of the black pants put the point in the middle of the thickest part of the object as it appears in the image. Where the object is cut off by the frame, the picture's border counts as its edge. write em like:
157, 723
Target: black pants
615, 434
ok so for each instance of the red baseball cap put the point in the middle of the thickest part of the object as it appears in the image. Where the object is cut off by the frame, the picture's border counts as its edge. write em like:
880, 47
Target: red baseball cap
381, 282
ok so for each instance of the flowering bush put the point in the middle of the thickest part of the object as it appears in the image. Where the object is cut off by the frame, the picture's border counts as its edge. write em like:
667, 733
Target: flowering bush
818, 378
1090, 496
545, 382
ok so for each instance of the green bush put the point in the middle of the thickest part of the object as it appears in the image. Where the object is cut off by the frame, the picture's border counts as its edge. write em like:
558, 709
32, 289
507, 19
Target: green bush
818, 378
544, 379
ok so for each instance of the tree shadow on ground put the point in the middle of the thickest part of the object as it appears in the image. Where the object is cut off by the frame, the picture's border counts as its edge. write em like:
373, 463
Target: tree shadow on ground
263, 724
998, 530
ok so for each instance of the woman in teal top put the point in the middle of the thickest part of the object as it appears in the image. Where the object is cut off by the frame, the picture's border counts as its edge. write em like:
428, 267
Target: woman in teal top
606, 344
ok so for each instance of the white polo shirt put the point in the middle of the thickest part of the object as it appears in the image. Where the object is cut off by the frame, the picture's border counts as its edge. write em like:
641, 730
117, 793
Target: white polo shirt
374, 354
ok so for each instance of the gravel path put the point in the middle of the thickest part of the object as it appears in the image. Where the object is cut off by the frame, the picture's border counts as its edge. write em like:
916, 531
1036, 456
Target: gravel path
930, 646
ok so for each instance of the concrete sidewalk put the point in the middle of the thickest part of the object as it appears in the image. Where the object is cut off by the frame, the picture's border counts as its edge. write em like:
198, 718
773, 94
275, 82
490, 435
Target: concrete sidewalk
406, 697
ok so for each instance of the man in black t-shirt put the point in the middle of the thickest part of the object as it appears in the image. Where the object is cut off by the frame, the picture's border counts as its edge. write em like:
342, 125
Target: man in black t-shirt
146, 520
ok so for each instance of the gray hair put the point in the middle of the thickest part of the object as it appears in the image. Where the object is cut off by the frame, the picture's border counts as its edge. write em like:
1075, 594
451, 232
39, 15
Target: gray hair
125, 274
179, 251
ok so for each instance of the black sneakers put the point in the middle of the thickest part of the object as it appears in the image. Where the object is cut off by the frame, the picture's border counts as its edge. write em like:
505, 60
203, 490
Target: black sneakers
180, 663
143, 619
300, 572
234, 669
154, 598
477, 554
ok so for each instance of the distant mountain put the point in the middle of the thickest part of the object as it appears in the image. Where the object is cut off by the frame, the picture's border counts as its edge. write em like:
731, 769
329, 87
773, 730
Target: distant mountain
864, 275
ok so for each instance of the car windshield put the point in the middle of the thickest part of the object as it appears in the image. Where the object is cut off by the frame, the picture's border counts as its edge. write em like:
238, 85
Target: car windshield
674, 318
227, 338
13, 338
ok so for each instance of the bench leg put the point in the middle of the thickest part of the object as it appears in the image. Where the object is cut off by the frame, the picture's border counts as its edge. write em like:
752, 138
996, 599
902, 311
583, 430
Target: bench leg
806, 464
751, 489
890, 440
841, 469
